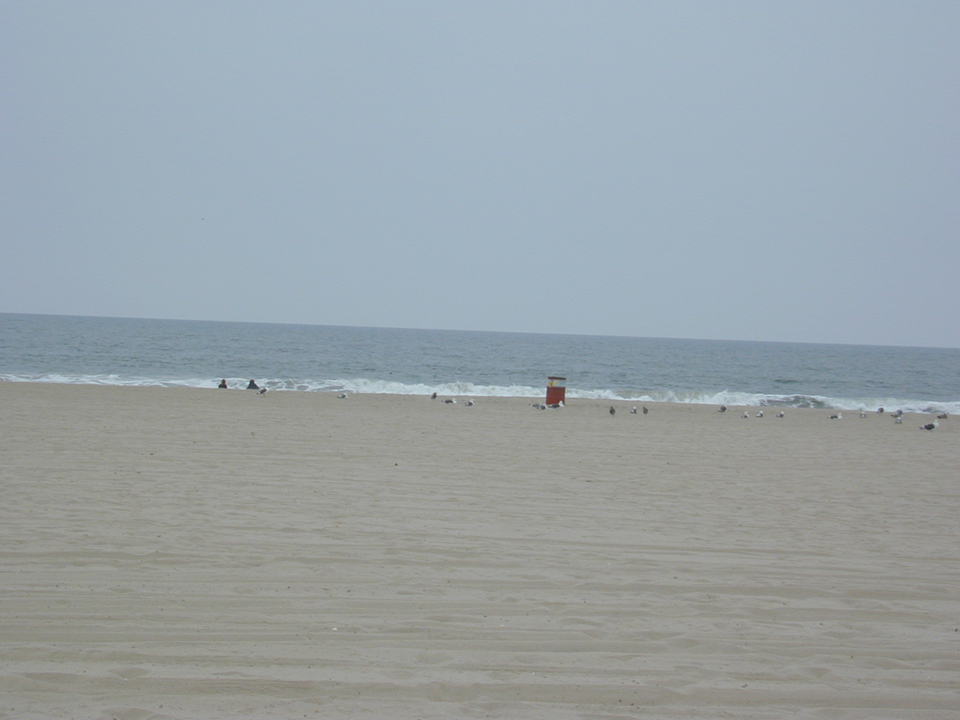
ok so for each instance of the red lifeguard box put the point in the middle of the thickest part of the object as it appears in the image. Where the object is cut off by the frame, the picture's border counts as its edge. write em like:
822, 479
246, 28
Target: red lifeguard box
556, 390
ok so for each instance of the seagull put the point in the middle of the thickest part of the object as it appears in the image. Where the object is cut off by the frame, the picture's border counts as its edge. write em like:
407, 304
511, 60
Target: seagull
342, 396
942, 416
838, 416
433, 397
931, 426
760, 414
862, 414
633, 410
898, 413
723, 408
898, 420
780, 414
613, 410
262, 391
745, 414
556, 406
450, 401
645, 411
469, 403
880, 411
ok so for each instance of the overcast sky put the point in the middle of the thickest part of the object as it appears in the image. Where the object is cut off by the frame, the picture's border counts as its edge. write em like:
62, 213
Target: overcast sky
784, 171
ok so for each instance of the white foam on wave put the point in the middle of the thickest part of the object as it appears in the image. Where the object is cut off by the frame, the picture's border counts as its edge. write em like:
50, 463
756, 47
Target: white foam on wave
386, 387
109, 379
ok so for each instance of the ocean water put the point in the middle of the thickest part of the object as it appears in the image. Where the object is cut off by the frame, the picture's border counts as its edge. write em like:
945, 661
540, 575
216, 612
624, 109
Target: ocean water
176, 353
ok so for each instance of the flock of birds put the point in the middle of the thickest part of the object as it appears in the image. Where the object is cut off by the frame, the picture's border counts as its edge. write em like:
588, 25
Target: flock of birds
746, 413
897, 416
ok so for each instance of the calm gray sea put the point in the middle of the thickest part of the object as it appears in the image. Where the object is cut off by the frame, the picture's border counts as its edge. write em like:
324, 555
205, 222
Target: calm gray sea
123, 351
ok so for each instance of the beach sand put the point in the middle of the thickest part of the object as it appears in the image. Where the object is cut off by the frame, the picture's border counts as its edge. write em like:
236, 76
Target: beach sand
187, 553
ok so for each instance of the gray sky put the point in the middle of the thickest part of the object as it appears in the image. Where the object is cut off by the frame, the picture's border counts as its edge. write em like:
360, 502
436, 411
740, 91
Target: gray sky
733, 170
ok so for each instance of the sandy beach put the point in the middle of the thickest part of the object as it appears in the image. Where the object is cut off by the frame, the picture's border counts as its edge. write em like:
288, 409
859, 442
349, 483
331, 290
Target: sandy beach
194, 554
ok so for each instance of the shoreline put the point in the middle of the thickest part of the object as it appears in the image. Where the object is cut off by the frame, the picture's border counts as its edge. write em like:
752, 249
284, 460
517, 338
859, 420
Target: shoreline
466, 390
173, 553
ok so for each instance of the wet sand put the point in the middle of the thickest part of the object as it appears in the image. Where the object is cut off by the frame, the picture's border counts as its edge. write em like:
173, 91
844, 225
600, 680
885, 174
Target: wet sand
197, 554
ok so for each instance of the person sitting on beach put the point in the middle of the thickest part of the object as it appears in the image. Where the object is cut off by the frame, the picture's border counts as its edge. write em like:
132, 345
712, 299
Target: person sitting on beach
223, 384
253, 385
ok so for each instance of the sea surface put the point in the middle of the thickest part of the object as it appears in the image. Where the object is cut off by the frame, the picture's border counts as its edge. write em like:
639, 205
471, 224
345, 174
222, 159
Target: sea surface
318, 358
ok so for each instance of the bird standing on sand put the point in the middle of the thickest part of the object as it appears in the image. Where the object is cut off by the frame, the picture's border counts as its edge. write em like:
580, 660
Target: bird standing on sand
780, 414
760, 414
931, 426
723, 408
342, 396
745, 414
838, 416
613, 410
633, 410
898, 421
645, 411
469, 403
862, 414
942, 416
262, 391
